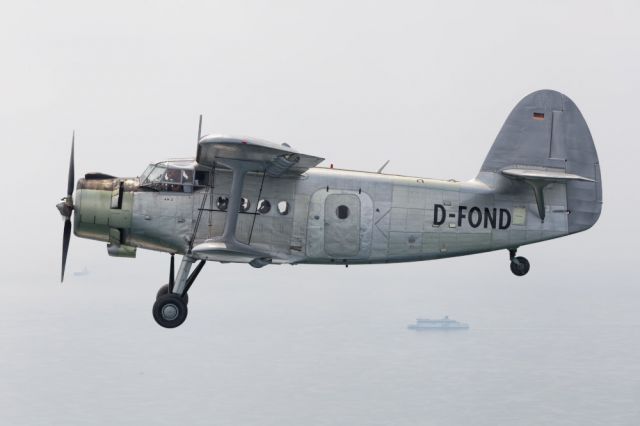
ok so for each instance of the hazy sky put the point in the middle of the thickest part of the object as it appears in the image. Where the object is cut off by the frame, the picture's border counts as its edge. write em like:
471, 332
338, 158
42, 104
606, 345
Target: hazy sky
426, 85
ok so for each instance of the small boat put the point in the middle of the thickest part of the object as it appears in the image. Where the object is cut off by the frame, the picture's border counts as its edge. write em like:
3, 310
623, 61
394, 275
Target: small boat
438, 324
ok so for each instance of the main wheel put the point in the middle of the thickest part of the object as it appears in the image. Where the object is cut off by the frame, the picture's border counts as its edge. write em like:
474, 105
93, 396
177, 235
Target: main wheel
170, 310
165, 290
520, 266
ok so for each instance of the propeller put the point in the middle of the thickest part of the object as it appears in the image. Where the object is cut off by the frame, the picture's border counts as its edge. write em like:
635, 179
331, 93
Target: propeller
66, 209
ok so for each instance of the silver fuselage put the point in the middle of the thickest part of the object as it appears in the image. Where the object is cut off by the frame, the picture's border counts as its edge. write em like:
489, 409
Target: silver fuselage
333, 216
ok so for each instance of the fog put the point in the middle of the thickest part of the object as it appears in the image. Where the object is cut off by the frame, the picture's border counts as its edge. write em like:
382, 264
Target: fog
426, 85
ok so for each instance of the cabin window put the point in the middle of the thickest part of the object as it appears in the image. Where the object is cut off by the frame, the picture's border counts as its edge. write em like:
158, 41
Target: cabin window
222, 203
202, 178
244, 205
283, 207
264, 206
342, 212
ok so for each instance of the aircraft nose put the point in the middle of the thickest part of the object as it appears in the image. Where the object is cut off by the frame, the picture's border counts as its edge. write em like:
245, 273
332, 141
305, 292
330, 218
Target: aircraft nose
103, 207
92, 206
77, 197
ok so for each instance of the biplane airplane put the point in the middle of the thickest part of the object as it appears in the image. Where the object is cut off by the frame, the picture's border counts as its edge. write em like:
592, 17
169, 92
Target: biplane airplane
250, 201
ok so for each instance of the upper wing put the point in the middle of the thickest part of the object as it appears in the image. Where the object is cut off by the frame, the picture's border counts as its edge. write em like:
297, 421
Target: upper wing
272, 158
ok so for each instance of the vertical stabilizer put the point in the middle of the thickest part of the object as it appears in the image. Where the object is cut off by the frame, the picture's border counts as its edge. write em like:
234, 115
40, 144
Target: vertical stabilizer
547, 132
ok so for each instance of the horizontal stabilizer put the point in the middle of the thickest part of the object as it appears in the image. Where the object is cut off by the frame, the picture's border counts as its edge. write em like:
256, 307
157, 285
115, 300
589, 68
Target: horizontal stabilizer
545, 175
538, 179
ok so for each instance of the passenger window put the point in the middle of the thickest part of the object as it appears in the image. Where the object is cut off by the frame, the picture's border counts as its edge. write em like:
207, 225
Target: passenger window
244, 205
222, 203
283, 207
342, 212
264, 206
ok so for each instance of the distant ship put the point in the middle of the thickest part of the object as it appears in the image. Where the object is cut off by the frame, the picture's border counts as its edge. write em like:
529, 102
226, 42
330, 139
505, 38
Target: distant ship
438, 324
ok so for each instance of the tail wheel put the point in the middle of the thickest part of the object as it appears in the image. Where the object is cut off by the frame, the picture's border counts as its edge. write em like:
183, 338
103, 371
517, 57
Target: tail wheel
170, 310
519, 266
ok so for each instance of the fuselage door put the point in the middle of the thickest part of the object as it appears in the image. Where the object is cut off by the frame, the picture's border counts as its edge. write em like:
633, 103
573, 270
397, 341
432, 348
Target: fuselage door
342, 225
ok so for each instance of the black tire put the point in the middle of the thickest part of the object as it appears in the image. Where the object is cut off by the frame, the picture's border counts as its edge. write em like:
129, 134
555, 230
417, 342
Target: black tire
520, 266
170, 311
165, 290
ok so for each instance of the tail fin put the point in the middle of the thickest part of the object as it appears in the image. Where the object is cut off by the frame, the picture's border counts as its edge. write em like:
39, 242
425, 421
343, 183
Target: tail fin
545, 139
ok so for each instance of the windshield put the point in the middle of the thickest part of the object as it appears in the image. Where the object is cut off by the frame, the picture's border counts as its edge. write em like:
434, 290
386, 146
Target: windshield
168, 177
155, 175
146, 172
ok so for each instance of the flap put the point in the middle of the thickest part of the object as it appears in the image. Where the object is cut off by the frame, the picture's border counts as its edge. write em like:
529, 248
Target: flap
275, 159
543, 175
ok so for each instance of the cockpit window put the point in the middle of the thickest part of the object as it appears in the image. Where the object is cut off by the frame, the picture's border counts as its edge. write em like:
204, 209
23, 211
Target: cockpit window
172, 176
155, 176
168, 177
146, 173
202, 178
187, 177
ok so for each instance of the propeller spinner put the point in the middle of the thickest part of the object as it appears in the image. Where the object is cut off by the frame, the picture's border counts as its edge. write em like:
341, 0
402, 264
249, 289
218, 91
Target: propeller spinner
66, 209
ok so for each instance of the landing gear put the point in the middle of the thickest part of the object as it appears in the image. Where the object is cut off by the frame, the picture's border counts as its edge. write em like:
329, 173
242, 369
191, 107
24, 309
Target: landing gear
519, 265
170, 309
165, 290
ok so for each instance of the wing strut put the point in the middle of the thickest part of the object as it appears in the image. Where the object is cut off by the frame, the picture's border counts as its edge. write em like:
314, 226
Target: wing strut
255, 213
228, 243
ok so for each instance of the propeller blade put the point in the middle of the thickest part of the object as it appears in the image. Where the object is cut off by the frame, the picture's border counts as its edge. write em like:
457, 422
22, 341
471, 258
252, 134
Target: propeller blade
66, 208
71, 180
66, 237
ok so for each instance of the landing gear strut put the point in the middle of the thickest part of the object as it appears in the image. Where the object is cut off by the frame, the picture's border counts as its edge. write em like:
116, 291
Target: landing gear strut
170, 309
519, 265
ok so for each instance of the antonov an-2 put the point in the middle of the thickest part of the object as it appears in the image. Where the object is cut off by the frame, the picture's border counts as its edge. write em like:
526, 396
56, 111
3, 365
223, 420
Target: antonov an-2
250, 201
